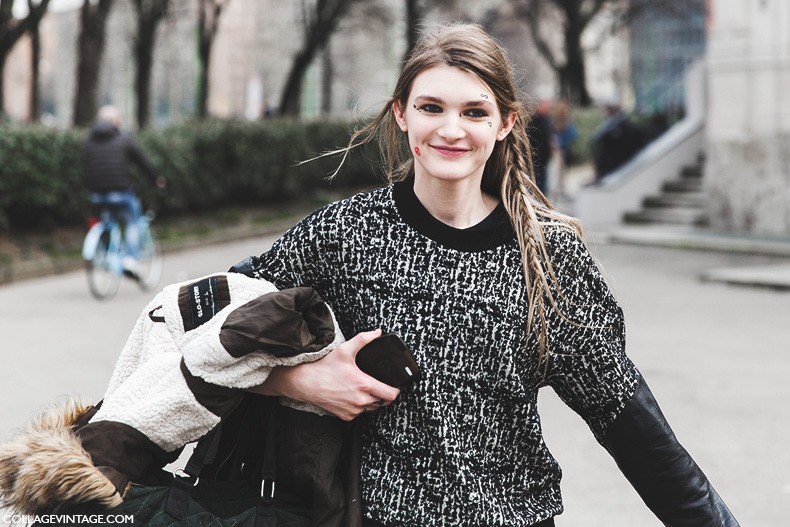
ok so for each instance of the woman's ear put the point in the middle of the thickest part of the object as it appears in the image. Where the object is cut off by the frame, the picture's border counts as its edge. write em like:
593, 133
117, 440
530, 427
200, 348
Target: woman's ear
400, 116
507, 125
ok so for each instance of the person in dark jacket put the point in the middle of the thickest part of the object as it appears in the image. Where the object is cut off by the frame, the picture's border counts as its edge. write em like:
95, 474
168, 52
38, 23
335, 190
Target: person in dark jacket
109, 152
541, 139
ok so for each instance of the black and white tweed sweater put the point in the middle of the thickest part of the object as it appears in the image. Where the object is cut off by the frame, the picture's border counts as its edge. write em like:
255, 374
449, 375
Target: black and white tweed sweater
464, 446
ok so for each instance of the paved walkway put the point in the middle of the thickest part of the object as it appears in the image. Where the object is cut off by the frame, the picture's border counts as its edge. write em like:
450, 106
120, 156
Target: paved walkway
775, 274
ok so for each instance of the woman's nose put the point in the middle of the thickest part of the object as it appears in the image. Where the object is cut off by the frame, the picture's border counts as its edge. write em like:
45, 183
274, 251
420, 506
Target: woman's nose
451, 128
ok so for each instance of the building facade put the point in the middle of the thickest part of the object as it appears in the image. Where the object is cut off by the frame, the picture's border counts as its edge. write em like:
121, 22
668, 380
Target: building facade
663, 43
747, 171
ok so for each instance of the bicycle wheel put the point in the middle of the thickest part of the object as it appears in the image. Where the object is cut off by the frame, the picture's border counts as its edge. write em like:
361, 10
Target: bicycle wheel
150, 259
103, 279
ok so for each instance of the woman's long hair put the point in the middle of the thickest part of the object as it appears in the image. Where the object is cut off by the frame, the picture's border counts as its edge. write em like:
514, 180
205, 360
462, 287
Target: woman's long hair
508, 172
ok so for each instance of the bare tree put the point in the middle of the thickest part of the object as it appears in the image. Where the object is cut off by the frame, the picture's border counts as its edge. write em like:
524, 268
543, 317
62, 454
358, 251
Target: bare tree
569, 62
416, 10
90, 49
327, 79
576, 15
12, 29
209, 12
149, 14
319, 24
414, 17
35, 76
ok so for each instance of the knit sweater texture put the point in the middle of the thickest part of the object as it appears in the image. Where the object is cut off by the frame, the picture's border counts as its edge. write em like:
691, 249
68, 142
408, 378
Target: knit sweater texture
464, 446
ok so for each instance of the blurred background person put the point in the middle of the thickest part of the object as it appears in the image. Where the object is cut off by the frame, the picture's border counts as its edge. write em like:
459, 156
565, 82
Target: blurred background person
615, 142
109, 152
541, 140
565, 134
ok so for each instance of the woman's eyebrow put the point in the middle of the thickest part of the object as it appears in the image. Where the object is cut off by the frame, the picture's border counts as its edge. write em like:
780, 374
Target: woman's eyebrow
439, 100
478, 102
429, 98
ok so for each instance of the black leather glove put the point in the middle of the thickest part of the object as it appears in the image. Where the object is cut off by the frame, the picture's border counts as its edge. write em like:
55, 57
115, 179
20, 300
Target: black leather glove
659, 468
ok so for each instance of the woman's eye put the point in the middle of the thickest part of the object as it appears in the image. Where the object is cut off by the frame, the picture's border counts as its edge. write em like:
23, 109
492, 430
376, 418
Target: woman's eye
476, 113
429, 108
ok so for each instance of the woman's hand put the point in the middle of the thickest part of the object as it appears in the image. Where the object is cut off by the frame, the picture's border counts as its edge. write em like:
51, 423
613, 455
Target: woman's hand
333, 383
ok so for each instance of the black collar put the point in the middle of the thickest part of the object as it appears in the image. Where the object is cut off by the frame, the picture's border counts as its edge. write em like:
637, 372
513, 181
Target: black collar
494, 230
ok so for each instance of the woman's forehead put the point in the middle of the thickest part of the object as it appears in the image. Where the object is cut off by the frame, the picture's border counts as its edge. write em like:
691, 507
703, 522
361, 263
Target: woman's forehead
450, 83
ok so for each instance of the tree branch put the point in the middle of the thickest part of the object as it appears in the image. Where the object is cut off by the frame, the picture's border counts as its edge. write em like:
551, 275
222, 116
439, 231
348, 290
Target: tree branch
12, 29
585, 18
530, 12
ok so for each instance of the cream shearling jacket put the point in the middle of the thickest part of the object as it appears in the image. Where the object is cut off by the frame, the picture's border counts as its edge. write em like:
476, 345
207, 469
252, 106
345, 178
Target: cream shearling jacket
193, 351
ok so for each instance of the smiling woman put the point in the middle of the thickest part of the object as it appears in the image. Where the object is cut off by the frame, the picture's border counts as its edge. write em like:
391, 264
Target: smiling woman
450, 120
494, 292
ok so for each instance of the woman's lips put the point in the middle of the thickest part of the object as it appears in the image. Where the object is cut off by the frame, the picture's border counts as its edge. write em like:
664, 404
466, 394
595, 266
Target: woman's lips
450, 151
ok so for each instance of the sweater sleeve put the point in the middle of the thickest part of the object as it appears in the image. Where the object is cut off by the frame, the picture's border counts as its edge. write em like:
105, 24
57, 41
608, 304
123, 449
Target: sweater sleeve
590, 371
588, 367
302, 256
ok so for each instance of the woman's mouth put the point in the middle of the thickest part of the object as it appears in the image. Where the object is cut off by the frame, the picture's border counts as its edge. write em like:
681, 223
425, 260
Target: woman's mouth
450, 151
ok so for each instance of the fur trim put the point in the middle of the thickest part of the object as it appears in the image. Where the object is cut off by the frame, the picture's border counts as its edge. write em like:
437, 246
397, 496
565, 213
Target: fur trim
45, 469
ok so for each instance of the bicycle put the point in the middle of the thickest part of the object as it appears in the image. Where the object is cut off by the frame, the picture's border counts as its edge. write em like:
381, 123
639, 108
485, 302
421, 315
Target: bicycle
104, 252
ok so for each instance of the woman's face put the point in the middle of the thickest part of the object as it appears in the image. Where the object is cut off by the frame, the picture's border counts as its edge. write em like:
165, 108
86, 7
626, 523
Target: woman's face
453, 122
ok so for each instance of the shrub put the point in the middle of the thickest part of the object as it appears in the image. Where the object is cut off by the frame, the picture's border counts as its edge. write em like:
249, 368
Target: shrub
207, 164
41, 178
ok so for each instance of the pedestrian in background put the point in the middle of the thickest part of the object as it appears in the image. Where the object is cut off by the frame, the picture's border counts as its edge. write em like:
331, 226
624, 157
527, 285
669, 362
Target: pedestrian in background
110, 153
542, 141
615, 142
565, 134
496, 295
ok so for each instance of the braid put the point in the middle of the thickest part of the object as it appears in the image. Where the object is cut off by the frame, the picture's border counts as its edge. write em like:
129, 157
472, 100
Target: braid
529, 210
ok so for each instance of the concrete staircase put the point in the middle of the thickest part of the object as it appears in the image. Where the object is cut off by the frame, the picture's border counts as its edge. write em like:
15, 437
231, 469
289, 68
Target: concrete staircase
681, 201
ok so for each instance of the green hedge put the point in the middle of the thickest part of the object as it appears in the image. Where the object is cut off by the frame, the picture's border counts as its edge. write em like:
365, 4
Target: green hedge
207, 164
41, 178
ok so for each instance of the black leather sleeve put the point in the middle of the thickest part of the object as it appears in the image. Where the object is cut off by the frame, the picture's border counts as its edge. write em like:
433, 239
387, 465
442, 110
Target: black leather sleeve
660, 469
245, 267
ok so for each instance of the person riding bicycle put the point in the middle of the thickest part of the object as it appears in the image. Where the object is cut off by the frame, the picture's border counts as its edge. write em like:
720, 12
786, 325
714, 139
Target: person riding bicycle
108, 153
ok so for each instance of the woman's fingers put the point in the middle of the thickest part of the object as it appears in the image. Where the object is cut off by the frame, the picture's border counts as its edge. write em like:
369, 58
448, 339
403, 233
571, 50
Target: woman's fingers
359, 341
333, 383
381, 392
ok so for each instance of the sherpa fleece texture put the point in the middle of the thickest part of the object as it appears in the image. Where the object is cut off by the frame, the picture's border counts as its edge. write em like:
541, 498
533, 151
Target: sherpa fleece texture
148, 391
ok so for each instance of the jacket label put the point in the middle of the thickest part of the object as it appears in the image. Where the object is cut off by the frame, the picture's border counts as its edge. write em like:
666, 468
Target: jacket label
202, 301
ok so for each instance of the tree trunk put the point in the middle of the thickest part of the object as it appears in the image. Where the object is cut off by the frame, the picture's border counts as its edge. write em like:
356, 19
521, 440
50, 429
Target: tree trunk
326, 15
35, 74
413, 17
327, 76
574, 78
144, 57
11, 30
149, 15
202, 88
291, 100
209, 12
90, 49
2, 88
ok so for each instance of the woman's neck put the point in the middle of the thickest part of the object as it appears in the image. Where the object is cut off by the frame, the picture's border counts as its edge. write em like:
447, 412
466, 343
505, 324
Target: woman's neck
459, 204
